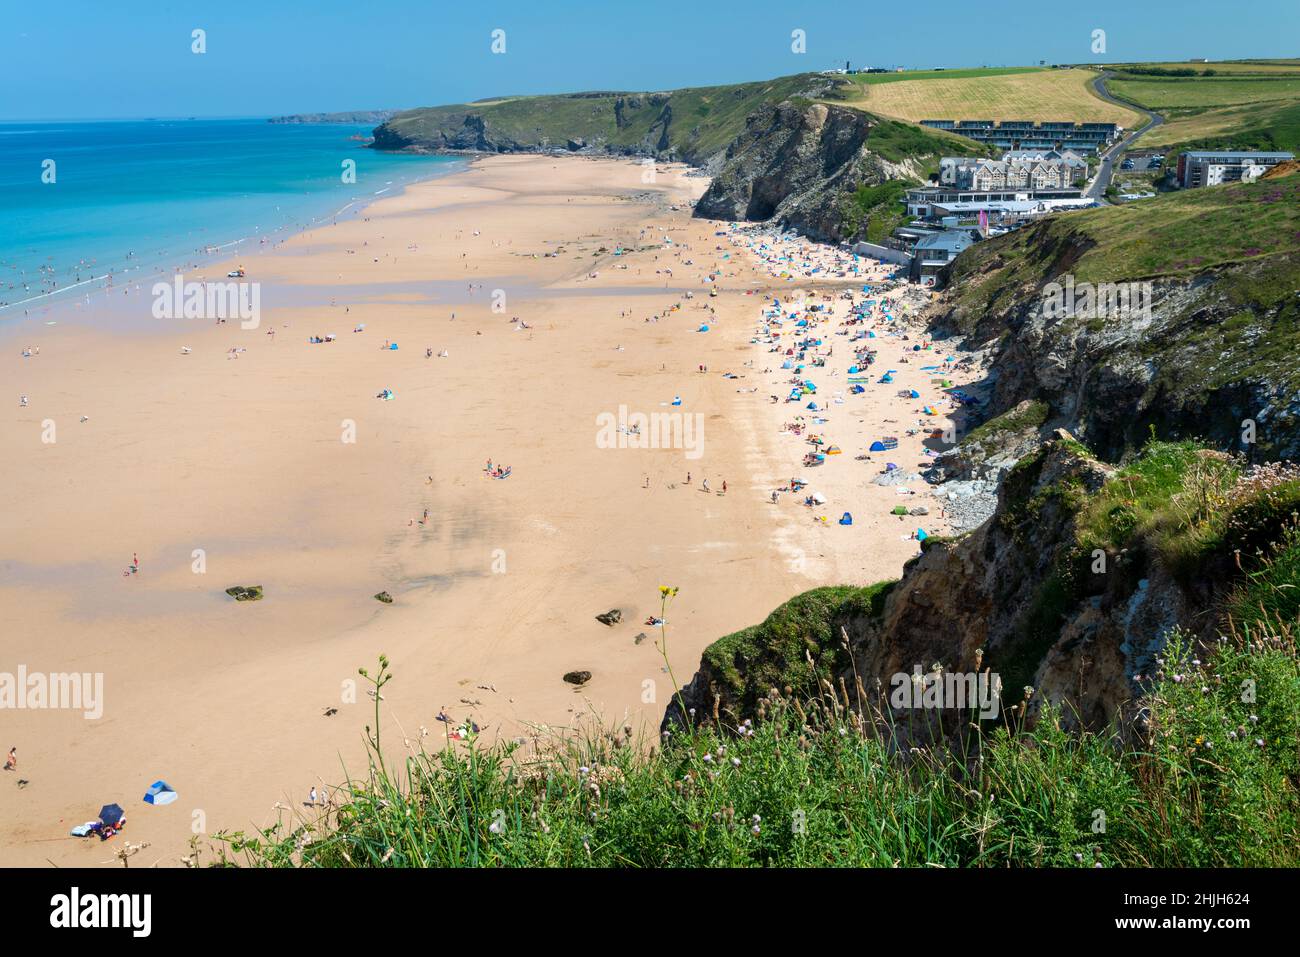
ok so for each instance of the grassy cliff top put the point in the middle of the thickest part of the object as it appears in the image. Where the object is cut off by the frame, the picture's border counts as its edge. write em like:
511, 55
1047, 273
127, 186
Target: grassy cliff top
697, 122
1174, 235
1015, 93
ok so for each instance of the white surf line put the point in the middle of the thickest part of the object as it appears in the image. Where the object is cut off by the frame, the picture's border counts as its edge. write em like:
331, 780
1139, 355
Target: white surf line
54, 292
378, 191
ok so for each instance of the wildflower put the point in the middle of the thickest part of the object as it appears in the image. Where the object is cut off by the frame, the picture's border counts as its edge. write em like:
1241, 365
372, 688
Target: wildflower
497, 827
755, 830
756, 819
1078, 856
735, 762
708, 758
1259, 742
584, 771
1254, 719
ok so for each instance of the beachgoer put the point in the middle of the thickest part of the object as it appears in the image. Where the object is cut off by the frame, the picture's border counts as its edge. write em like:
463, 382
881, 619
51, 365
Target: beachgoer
688, 478
11, 762
311, 797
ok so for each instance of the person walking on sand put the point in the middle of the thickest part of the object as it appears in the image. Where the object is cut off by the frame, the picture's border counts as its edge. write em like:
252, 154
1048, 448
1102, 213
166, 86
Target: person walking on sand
705, 485
11, 762
312, 798
688, 478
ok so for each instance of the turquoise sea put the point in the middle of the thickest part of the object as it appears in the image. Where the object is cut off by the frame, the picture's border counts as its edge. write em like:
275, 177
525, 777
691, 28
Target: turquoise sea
142, 195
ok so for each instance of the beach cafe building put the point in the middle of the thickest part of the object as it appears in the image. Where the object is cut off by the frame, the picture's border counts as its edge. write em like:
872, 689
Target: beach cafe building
935, 202
934, 254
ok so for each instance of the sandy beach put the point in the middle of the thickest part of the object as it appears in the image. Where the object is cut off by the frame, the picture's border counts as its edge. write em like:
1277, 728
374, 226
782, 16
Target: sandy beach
528, 297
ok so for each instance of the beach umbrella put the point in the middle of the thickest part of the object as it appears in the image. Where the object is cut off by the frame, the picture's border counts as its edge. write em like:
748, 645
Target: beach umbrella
920, 535
111, 814
160, 792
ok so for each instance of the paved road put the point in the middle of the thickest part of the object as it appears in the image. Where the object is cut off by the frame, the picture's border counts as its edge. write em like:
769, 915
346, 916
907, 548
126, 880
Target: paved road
1106, 170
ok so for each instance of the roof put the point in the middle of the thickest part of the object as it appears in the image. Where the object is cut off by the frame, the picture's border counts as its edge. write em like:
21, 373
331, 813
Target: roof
952, 240
1221, 154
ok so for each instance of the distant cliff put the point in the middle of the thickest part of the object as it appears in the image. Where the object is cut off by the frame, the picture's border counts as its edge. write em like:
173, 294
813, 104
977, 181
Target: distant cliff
692, 125
356, 117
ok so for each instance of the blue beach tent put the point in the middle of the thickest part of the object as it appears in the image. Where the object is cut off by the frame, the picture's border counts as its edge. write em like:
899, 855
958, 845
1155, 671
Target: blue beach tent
846, 519
160, 792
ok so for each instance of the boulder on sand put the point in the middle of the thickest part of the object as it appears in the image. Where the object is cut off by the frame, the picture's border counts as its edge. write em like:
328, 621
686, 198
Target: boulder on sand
611, 617
245, 592
386, 598
578, 677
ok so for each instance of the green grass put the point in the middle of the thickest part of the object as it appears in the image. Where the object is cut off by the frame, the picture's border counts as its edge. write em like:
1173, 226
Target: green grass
1170, 93
1210, 782
694, 123
874, 79
1031, 416
896, 142
874, 212
1239, 106
799, 644
1174, 235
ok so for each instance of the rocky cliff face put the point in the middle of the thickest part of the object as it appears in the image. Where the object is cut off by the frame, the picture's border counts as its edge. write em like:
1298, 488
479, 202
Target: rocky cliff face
1208, 361
1017, 597
795, 164
691, 125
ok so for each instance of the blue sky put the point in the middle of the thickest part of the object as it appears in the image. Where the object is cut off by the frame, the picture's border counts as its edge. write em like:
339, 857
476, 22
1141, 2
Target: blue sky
132, 58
